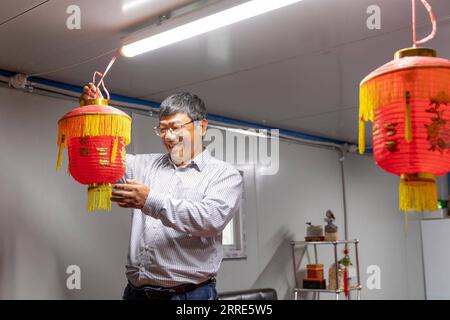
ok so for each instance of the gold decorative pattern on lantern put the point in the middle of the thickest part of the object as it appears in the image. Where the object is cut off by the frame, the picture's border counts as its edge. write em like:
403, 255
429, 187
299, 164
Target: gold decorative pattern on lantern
102, 151
438, 131
103, 162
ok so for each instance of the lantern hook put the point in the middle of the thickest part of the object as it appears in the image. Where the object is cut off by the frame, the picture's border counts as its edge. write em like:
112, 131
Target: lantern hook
102, 76
433, 22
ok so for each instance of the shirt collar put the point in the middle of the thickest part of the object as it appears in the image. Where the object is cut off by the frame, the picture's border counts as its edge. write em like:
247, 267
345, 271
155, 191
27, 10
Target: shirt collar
201, 160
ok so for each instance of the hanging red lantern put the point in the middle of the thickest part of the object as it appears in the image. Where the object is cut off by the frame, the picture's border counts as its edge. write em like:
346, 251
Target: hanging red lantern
95, 135
408, 100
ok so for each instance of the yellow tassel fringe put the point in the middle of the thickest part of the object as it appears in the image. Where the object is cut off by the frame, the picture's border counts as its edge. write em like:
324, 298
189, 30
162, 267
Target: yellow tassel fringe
99, 197
95, 125
418, 192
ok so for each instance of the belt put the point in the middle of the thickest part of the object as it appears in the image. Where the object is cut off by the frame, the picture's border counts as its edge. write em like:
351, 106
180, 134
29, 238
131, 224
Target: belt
162, 292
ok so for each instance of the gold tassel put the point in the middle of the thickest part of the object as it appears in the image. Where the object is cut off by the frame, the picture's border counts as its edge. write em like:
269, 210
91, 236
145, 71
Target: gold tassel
62, 144
99, 197
408, 118
418, 192
362, 137
60, 156
114, 150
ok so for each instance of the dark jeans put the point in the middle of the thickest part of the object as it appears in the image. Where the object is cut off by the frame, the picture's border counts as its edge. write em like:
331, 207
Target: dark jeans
205, 292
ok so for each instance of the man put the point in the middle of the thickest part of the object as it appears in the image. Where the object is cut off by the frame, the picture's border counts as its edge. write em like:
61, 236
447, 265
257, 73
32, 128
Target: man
181, 202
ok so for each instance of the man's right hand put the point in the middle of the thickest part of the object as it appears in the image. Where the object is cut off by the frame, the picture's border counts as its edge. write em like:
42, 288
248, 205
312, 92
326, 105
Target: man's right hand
90, 91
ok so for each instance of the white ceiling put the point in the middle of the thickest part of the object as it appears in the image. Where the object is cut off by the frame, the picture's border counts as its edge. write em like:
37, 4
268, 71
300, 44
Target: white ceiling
297, 68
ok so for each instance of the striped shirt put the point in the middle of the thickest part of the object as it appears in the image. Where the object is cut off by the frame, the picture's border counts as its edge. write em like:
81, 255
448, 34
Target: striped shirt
177, 236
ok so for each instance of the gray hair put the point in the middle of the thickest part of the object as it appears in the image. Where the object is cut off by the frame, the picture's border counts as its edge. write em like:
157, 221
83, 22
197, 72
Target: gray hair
183, 102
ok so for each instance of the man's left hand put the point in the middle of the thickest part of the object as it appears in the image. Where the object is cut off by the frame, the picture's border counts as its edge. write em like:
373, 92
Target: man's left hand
133, 194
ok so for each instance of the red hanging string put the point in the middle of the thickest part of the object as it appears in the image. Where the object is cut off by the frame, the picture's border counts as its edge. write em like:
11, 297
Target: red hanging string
433, 22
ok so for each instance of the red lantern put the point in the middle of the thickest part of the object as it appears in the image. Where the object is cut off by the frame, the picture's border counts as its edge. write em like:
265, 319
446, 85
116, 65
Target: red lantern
408, 100
96, 136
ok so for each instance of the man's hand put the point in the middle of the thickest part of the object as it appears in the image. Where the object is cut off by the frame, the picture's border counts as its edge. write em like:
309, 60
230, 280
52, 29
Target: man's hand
133, 194
90, 91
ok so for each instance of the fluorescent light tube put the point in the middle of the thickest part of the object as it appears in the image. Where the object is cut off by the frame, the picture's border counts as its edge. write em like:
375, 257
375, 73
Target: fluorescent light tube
212, 22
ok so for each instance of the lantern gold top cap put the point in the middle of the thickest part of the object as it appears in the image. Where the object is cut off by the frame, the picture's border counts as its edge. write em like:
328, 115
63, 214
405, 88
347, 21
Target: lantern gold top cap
415, 52
98, 101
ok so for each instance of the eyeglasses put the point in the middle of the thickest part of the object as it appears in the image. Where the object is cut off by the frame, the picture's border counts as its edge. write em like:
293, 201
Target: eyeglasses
175, 130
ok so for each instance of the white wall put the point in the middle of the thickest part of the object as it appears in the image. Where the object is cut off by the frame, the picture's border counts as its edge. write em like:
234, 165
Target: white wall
372, 201
44, 226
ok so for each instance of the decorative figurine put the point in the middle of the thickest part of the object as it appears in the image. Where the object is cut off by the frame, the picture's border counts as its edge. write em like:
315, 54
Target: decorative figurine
331, 229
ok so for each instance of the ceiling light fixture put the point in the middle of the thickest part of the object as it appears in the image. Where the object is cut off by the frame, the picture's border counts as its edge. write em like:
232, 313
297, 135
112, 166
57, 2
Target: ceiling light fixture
203, 25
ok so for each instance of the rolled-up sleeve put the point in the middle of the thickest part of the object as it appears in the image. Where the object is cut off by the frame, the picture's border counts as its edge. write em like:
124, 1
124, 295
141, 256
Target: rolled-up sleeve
205, 218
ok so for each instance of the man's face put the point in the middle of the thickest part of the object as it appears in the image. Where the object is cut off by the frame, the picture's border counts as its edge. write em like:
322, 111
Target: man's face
183, 141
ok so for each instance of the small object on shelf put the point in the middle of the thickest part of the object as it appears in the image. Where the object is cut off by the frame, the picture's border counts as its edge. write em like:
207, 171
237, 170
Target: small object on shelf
331, 230
314, 277
345, 261
314, 233
314, 284
343, 274
314, 271
332, 277
327, 285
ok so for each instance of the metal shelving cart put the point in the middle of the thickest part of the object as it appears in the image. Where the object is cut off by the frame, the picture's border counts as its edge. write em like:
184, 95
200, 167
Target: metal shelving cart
335, 244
